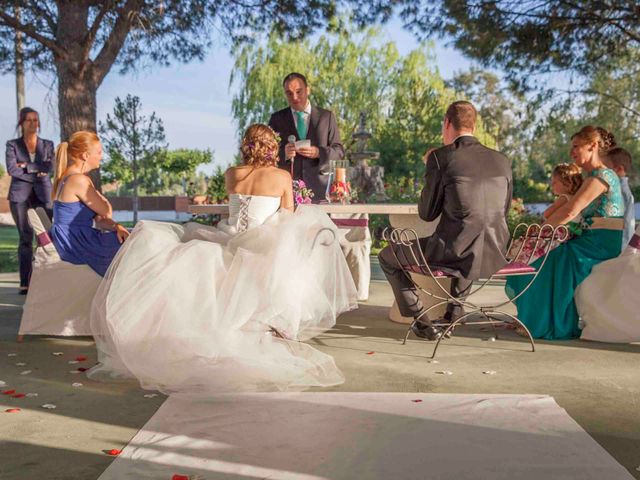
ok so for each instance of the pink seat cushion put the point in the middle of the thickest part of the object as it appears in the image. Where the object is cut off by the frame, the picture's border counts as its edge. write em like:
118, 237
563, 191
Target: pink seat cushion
515, 268
350, 222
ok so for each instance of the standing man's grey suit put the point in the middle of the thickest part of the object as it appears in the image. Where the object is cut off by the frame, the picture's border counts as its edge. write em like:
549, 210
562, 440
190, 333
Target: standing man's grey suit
469, 186
312, 164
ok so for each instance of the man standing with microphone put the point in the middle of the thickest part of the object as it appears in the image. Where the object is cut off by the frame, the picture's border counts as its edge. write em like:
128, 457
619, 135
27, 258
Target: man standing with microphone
310, 137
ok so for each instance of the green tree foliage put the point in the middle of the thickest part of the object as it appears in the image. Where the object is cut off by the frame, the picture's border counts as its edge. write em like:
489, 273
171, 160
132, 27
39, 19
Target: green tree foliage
177, 168
135, 144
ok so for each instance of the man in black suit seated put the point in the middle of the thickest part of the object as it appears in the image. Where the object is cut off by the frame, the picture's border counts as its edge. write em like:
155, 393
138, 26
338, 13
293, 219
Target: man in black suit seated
469, 186
305, 121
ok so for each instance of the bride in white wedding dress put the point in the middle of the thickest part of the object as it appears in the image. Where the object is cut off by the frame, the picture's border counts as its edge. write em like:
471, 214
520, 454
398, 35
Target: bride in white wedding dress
195, 309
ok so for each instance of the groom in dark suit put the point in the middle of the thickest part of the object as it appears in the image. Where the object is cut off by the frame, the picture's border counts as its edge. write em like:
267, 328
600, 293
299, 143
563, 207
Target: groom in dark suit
305, 121
469, 186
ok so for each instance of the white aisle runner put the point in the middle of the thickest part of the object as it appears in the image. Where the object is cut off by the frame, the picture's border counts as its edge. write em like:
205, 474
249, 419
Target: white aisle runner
361, 436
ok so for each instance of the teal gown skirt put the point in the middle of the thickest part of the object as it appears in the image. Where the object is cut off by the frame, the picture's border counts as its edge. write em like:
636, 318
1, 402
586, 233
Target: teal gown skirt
547, 307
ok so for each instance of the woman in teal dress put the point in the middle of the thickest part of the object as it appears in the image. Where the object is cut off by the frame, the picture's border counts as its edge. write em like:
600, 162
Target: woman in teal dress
547, 308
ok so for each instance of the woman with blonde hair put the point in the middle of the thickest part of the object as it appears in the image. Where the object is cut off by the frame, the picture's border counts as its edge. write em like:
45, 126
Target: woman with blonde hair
198, 310
547, 307
77, 205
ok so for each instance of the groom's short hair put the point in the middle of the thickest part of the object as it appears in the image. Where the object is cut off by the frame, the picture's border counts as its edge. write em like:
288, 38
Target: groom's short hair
292, 76
462, 115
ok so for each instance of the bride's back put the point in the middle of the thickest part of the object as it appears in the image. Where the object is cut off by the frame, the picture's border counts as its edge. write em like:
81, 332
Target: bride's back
262, 181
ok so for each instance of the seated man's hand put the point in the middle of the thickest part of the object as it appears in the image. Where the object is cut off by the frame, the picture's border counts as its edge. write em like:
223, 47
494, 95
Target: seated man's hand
309, 152
289, 151
21, 165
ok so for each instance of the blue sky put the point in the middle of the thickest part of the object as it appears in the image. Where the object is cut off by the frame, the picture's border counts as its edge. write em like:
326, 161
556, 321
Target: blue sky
193, 100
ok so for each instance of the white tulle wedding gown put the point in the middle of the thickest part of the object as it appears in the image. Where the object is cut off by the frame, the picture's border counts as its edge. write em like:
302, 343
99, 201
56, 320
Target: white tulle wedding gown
189, 309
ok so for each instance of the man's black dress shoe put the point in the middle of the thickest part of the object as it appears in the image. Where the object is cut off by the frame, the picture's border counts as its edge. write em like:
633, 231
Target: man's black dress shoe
423, 330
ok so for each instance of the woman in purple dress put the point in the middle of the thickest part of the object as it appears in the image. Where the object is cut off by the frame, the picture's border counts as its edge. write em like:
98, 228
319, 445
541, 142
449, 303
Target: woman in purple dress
77, 206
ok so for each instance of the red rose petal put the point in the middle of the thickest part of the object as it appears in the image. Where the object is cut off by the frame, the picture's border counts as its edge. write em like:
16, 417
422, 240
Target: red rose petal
114, 452
19, 395
417, 400
82, 369
81, 358
12, 410
180, 477
9, 392
370, 353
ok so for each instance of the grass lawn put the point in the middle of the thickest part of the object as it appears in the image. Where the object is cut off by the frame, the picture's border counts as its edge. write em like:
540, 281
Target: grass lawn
8, 249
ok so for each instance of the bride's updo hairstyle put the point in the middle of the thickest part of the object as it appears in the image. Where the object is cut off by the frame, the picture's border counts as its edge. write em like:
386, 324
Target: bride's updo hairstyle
260, 146
590, 134
79, 143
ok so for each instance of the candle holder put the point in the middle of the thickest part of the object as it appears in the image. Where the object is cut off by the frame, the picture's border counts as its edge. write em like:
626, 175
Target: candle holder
338, 187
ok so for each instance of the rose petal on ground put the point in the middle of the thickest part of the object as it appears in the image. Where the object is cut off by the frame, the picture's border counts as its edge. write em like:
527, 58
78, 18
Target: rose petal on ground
12, 410
180, 477
9, 392
73, 362
76, 384
81, 358
48, 406
434, 361
3, 384
489, 339
26, 372
12, 354
150, 395
58, 354
417, 400
74, 371
82, 369
31, 395
489, 372
113, 452
21, 364
445, 372
370, 353
18, 395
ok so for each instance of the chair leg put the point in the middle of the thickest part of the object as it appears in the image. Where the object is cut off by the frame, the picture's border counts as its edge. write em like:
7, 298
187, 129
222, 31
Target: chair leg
517, 320
450, 328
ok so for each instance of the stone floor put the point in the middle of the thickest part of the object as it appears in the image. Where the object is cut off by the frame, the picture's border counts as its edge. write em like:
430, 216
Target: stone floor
598, 384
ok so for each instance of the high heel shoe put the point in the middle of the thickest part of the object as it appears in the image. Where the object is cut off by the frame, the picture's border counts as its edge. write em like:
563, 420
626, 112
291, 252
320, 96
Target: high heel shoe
428, 332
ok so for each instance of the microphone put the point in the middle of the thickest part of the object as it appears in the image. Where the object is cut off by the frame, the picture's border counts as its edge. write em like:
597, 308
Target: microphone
292, 139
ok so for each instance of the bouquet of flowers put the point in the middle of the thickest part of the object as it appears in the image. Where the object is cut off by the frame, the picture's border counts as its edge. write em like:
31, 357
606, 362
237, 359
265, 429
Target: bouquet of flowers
301, 193
340, 191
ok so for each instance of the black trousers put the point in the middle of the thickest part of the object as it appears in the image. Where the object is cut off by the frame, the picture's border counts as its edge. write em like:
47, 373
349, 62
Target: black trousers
25, 246
404, 291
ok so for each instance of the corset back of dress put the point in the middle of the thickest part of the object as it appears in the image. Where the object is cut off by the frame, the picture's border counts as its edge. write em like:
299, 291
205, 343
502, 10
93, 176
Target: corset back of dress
249, 211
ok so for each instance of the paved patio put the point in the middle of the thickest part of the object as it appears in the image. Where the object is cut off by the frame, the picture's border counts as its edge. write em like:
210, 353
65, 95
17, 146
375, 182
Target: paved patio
598, 385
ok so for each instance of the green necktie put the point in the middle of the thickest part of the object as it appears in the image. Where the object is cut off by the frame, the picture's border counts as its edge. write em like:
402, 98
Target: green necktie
300, 126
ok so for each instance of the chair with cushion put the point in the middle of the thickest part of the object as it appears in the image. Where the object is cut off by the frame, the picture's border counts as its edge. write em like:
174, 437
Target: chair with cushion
355, 242
536, 242
60, 293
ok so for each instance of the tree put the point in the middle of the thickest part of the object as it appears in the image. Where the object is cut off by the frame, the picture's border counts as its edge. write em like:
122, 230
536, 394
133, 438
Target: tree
81, 40
525, 36
179, 166
132, 140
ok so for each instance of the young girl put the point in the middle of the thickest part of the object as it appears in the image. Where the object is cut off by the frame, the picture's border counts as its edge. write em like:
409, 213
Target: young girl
566, 180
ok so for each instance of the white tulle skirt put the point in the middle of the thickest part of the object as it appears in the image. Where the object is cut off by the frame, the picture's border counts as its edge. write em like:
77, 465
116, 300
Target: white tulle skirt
188, 309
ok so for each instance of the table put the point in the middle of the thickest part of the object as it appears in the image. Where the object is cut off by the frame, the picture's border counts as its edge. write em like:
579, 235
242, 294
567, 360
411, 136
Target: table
401, 215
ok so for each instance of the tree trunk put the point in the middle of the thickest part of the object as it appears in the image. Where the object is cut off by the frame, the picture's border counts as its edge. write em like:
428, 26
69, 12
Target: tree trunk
77, 89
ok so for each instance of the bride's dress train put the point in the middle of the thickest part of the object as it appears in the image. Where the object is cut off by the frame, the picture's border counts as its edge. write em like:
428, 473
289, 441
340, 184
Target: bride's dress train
189, 309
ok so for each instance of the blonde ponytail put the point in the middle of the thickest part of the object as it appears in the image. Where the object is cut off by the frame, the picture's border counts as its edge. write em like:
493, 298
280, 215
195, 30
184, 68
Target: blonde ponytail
71, 151
60, 167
